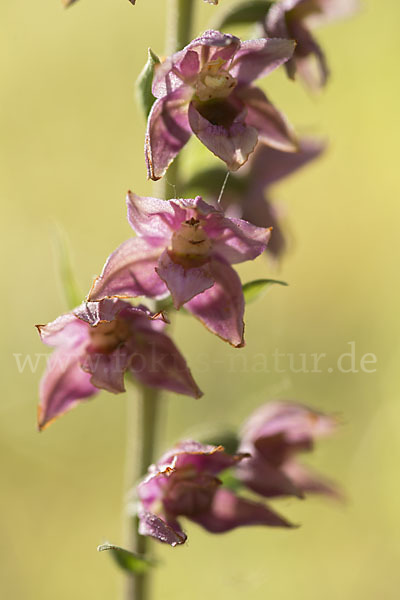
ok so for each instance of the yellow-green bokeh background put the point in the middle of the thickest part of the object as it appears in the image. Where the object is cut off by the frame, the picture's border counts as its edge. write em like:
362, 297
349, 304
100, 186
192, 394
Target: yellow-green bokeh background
71, 145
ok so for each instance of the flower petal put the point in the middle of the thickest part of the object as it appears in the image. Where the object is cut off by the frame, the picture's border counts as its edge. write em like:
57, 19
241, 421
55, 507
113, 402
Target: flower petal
63, 385
313, 68
167, 132
270, 165
310, 482
265, 479
182, 67
221, 307
130, 271
293, 422
329, 10
66, 331
258, 58
154, 219
258, 210
276, 24
169, 533
205, 457
183, 283
155, 361
94, 313
272, 126
236, 240
232, 142
228, 511
107, 370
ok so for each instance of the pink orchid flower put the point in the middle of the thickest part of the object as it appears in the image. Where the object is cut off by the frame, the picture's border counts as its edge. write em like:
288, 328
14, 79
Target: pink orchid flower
185, 483
185, 248
274, 435
96, 344
206, 89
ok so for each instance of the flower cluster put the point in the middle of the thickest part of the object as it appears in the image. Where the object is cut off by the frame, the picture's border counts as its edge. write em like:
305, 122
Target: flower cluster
188, 481
182, 255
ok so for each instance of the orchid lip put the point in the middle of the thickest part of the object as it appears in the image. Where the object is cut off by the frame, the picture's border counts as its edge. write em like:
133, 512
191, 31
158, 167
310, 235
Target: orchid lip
106, 337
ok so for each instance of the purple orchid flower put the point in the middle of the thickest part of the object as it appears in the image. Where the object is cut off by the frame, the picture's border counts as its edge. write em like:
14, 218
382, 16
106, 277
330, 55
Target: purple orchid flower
205, 89
185, 247
294, 19
185, 483
96, 344
274, 435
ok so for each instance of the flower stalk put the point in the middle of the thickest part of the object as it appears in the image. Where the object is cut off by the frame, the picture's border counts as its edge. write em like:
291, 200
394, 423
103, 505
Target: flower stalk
144, 420
179, 25
140, 454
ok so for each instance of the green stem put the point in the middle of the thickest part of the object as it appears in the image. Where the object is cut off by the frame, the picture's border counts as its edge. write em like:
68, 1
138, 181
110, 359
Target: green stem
179, 24
142, 429
140, 455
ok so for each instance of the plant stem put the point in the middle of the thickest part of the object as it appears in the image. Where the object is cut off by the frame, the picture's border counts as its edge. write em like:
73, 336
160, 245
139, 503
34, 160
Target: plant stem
179, 25
140, 449
140, 455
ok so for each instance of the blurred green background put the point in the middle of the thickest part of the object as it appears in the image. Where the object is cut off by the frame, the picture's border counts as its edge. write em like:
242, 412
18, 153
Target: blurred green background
71, 145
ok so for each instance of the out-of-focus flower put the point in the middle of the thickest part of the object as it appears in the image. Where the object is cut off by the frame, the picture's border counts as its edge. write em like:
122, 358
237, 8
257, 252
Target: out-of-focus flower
206, 89
274, 435
247, 195
294, 19
96, 344
185, 247
185, 483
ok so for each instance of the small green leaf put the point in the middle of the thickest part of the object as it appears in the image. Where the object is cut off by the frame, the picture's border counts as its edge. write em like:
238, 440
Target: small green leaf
70, 287
244, 13
144, 82
252, 290
127, 560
